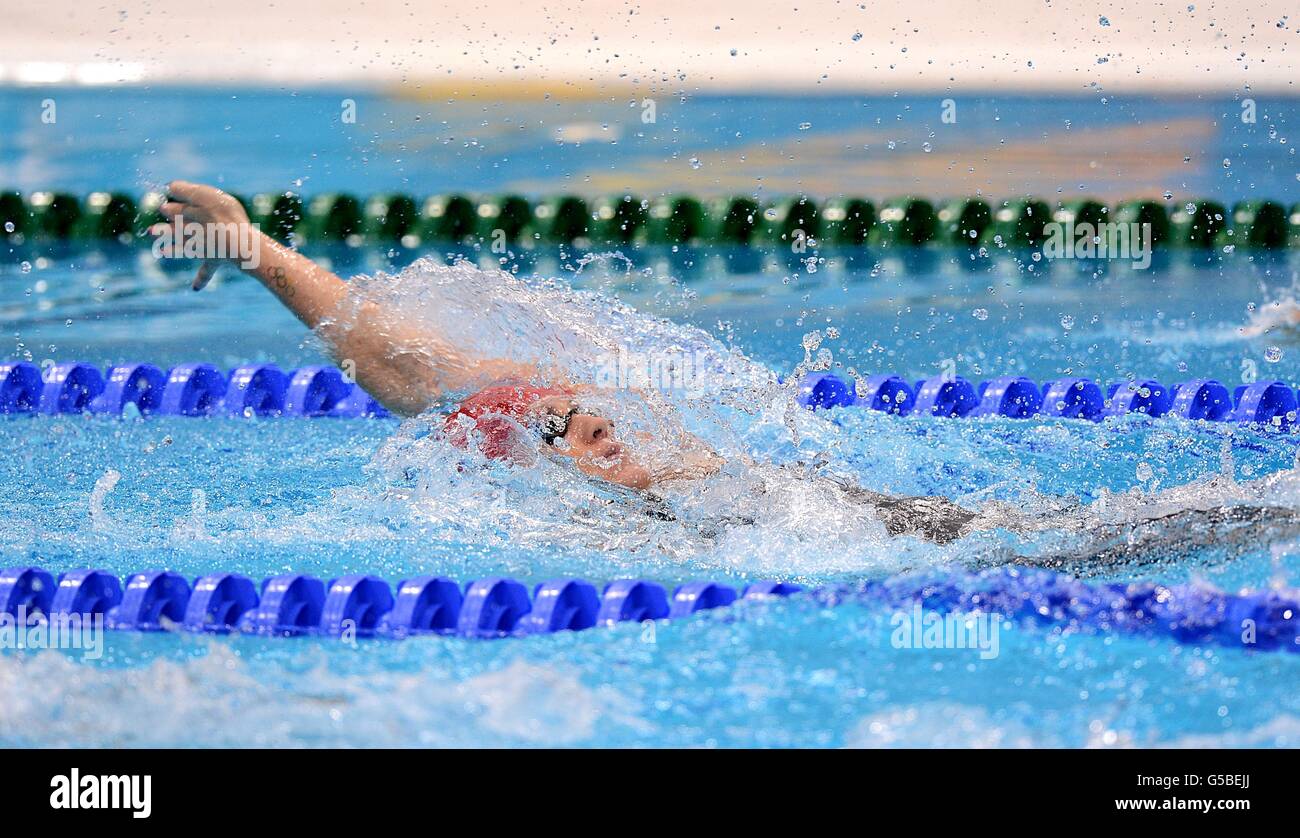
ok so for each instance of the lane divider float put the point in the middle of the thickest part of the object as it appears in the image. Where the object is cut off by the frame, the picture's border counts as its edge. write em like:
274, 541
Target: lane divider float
623, 220
300, 605
362, 605
200, 389
1270, 404
183, 390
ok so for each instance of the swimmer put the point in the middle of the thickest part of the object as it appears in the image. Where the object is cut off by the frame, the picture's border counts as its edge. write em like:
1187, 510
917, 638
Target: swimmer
410, 369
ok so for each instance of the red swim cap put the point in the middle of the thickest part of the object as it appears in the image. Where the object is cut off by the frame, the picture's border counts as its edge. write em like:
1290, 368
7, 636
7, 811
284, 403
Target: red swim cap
489, 408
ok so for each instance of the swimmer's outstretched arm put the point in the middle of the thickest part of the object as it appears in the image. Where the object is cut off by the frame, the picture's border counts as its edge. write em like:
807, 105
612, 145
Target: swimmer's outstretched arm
406, 369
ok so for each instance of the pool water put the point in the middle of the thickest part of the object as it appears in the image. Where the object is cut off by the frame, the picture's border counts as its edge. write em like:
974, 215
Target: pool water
328, 497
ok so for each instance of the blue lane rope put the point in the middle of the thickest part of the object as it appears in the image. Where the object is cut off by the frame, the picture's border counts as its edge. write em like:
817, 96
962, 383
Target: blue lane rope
366, 606
297, 604
184, 390
199, 389
1269, 403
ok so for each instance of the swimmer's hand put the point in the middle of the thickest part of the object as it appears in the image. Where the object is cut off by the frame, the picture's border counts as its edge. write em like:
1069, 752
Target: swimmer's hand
224, 220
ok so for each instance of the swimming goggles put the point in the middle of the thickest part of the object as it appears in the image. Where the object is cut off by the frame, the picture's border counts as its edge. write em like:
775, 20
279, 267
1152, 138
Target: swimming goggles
556, 425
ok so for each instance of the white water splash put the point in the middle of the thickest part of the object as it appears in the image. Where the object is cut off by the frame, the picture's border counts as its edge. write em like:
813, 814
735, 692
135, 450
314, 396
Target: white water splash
1279, 318
940, 725
218, 698
194, 526
99, 519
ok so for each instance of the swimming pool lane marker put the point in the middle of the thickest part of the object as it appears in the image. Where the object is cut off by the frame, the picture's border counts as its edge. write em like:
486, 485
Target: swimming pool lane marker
495, 607
184, 390
322, 391
1271, 404
628, 220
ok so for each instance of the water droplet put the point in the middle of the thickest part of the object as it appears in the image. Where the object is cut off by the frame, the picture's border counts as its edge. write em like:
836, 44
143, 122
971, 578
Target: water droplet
1273, 354
25, 266
1144, 471
927, 148
857, 36
733, 53
1103, 20
695, 163
1067, 322
804, 126
980, 314
1227, 164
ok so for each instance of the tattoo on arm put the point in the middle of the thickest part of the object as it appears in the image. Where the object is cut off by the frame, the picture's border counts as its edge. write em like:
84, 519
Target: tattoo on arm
280, 282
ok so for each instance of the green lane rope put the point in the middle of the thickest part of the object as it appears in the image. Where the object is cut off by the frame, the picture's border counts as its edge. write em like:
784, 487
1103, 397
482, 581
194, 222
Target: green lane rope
628, 220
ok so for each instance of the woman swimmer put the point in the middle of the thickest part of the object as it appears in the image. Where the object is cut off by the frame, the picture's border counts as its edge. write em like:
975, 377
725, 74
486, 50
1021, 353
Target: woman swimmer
409, 368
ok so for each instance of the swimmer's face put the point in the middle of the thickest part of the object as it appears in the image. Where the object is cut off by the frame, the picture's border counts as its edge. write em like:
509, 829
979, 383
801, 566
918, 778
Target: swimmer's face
569, 430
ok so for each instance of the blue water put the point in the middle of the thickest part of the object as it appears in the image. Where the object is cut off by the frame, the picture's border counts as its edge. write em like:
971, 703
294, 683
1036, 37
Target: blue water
328, 497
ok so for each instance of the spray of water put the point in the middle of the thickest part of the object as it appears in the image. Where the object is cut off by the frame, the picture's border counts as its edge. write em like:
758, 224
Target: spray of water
772, 508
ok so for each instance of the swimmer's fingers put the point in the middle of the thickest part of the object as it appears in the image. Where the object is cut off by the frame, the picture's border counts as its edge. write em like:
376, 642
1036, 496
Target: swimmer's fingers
187, 191
206, 271
169, 249
204, 204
